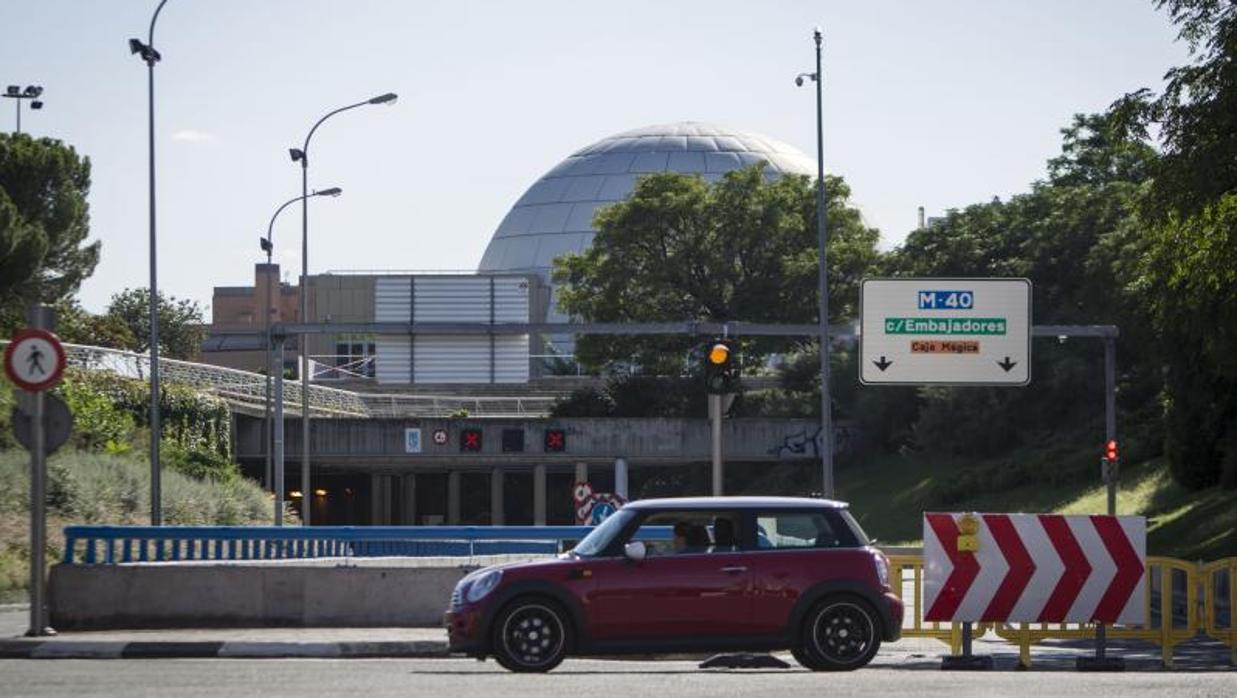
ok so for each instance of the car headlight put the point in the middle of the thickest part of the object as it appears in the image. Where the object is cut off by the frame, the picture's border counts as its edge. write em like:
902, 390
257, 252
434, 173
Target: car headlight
882, 569
483, 585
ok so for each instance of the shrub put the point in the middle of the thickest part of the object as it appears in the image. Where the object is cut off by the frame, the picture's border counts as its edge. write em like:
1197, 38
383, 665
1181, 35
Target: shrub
101, 488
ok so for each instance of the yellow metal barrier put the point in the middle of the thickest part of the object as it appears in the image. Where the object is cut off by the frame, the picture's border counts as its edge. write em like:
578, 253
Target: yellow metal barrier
949, 633
1220, 589
1170, 578
1172, 591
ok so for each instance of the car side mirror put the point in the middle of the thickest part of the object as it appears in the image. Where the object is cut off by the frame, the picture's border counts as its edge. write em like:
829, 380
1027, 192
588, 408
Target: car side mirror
635, 551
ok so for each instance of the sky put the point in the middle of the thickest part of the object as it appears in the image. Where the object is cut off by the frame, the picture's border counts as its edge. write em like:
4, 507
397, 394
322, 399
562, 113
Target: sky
928, 103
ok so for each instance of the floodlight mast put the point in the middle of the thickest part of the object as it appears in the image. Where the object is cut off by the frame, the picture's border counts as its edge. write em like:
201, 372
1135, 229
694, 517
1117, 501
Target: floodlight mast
17, 94
148, 54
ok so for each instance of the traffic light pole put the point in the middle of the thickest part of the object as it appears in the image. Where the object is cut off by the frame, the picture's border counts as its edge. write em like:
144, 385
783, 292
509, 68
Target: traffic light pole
1110, 416
715, 419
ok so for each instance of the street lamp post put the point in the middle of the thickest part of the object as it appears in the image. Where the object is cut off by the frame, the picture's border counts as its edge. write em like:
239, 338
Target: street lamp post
302, 155
826, 418
268, 246
17, 94
150, 56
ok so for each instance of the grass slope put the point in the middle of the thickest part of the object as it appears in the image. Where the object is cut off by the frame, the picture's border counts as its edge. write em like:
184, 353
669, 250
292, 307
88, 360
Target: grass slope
889, 496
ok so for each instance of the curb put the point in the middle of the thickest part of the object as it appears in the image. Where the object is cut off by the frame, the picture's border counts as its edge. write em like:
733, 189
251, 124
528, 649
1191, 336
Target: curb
70, 649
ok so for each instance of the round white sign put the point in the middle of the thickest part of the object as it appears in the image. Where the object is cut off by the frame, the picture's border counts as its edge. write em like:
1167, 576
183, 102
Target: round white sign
34, 360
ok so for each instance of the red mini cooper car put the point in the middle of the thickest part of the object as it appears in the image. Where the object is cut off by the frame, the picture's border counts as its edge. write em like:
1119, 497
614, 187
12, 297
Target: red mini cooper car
689, 575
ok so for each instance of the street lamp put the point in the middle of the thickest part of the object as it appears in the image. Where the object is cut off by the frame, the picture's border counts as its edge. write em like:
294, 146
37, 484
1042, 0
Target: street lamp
301, 155
268, 246
826, 420
17, 94
148, 54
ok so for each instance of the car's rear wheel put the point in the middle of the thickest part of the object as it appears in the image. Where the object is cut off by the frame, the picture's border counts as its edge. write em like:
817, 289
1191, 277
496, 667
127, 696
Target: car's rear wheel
841, 633
531, 635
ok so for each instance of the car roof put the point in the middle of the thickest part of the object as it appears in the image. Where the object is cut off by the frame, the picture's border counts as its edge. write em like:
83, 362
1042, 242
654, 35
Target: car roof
737, 503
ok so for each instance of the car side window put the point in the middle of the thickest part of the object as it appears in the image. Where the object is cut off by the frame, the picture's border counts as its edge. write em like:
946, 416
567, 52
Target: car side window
782, 530
687, 532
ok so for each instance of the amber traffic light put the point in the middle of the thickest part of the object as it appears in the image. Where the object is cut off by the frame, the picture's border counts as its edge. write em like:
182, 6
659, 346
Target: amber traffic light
721, 368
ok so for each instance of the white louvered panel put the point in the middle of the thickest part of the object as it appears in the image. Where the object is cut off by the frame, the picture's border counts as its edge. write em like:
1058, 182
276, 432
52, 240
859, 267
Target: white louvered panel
392, 299
393, 364
511, 358
453, 299
511, 300
453, 359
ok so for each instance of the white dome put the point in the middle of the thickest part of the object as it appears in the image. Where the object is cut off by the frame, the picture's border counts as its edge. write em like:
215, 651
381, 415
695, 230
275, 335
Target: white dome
555, 215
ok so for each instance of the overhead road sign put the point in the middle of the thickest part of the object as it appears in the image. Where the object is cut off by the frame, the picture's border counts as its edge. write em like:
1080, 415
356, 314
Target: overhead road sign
1034, 568
945, 331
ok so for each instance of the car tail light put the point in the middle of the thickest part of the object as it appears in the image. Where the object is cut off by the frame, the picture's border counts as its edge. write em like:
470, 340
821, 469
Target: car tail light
882, 568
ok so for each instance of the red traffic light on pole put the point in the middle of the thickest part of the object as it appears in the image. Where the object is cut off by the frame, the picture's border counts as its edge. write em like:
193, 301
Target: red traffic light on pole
1110, 451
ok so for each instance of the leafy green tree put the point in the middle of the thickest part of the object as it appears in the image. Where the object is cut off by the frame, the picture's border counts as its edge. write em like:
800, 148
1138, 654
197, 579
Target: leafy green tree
44, 222
1185, 275
181, 328
740, 249
1074, 235
1197, 113
77, 326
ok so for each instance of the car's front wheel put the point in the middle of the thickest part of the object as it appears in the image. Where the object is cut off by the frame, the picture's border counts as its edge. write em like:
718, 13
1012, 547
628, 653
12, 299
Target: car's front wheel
531, 635
841, 633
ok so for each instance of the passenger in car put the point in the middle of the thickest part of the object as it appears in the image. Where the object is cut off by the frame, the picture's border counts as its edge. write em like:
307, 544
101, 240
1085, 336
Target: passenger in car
697, 538
681, 529
723, 535
690, 538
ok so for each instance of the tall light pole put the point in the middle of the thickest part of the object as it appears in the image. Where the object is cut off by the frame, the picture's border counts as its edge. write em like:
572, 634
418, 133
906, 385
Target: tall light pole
826, 417
301, 155
17, 94
268, 246
148, 54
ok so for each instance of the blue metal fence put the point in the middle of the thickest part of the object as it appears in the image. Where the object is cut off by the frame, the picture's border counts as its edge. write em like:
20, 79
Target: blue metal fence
110, 545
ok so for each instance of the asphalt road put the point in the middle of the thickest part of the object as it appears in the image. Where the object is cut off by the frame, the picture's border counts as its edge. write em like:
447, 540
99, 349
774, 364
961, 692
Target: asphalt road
457, 678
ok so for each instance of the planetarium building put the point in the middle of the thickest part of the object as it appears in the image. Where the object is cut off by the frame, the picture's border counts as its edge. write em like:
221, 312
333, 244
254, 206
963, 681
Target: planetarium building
555, 215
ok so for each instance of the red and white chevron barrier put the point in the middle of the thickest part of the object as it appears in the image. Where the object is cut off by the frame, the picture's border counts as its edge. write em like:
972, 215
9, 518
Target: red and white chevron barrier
1034, 568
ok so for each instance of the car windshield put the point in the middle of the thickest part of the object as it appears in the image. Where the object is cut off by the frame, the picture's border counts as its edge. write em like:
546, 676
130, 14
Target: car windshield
599, 538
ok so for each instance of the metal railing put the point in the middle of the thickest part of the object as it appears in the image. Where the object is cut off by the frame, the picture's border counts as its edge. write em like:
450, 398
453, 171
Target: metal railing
248, 389
110, 545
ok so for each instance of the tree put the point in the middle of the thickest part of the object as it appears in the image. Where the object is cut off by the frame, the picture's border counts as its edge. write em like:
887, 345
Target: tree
1078, 236
1197, 113
1187, 273
180, 322
44, 222
77, 326
739, 249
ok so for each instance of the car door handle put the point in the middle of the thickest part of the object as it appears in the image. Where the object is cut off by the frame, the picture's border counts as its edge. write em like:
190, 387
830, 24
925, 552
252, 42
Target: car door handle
734, 570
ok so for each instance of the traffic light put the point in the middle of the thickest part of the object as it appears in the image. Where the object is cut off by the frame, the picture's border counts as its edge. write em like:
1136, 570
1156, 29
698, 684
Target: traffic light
1110, 451
721, 366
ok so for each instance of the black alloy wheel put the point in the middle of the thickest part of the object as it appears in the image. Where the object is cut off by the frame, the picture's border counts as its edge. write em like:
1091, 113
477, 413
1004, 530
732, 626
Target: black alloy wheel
531, 635
841, 634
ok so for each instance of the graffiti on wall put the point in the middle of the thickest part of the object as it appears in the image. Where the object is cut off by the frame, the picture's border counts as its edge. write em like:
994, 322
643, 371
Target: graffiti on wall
804, 443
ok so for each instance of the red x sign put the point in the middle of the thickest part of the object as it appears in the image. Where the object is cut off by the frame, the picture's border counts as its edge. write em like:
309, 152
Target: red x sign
555, 440
470, 440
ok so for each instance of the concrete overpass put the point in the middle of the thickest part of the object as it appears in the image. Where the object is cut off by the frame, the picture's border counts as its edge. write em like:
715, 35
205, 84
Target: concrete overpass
366, 471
